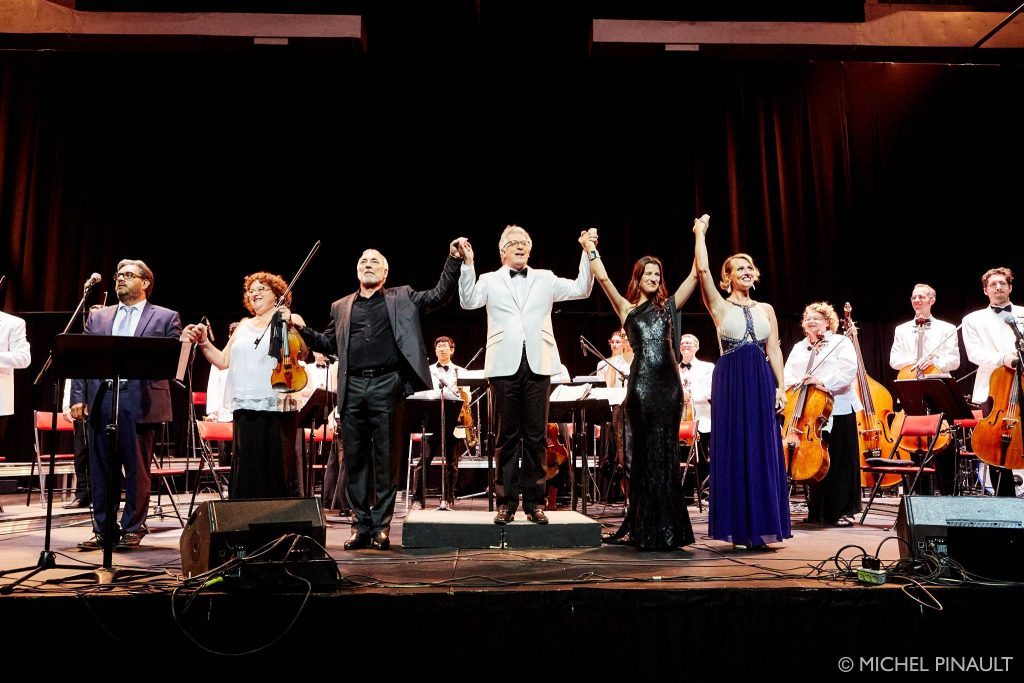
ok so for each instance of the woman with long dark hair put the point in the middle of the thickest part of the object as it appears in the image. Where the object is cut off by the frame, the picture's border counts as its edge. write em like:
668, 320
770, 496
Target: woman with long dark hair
656, 517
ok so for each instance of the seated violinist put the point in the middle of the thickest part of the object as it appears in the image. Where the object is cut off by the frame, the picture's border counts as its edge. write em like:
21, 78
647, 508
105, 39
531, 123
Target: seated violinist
263, 449
828, 361
444, 375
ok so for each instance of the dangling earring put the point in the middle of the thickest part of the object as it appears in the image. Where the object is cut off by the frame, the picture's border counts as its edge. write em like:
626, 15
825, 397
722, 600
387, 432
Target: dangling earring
730, 288
753, 285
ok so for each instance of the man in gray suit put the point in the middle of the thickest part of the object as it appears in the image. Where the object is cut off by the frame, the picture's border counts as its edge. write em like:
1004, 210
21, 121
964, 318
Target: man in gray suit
520, 360
376, 334
145, 404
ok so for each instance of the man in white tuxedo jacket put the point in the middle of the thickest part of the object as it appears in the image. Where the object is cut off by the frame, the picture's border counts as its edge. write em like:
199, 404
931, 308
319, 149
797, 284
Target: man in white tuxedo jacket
15, 354
520, 360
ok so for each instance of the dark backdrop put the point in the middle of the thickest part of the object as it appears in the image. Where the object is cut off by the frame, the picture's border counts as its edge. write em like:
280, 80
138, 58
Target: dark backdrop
846, 181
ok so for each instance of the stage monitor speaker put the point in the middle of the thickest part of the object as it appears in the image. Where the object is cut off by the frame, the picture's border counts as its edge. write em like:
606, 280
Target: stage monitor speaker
221, 530
983, 534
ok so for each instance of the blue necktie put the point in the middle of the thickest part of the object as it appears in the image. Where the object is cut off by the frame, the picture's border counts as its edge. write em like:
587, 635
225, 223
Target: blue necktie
125, 325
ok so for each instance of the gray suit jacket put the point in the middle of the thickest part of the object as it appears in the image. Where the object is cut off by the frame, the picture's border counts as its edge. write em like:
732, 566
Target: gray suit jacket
149, 399
404, 306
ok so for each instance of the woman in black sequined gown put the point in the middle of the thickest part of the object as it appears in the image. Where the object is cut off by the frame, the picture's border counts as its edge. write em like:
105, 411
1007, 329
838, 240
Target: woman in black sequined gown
656, 517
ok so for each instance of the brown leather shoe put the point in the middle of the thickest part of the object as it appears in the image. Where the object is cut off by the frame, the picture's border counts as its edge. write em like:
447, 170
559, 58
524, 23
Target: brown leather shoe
537, 516
130, 540
94, 543
357, 540
504, 516
380, 540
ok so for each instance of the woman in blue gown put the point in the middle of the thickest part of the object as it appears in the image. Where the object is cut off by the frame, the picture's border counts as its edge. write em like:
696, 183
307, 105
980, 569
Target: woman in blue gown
749, 492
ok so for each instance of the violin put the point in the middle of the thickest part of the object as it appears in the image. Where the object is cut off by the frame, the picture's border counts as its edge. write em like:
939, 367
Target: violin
688, 415
874, 431
808, 408
997, 438
466, 420
556, 454
288, 375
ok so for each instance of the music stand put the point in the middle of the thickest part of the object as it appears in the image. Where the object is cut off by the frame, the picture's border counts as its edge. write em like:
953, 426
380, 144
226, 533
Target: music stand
432, 413
932, 394
314, 412
117, 358
576, 411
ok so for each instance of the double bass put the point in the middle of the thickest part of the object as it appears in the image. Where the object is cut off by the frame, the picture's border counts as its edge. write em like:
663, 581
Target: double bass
808, 408
997, 438
874, 431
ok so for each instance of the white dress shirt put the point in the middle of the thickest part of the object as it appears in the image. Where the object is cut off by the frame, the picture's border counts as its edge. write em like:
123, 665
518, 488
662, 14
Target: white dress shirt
987, 340
698, 378
835, 365
450, 377
939, 337
618, 362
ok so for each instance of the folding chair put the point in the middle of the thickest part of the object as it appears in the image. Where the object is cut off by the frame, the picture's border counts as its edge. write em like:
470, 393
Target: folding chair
44, 423
927, 426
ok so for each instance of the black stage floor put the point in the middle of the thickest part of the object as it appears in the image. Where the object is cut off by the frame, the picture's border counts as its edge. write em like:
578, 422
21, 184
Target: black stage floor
523, 614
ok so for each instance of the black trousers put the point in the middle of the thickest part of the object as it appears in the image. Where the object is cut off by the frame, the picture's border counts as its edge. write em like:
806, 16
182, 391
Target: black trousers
369, 424
81, 462
521, 402
838, 493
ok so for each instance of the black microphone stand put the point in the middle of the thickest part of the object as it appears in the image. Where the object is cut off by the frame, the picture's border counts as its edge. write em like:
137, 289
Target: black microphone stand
586, 346
47, 558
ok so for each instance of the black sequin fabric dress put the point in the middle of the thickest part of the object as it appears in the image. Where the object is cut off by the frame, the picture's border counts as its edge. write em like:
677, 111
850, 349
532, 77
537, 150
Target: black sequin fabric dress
657, 517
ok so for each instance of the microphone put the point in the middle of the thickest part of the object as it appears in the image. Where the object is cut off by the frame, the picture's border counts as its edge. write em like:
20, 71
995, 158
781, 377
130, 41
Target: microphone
583, 346
94, 279
209, 328
1010, 320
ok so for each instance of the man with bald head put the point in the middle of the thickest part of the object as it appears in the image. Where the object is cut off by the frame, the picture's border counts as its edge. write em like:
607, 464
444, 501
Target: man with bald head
376, 334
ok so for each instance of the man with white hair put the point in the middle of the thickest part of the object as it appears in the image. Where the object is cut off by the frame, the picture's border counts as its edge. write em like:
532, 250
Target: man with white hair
520, 360
695, 374
375, 333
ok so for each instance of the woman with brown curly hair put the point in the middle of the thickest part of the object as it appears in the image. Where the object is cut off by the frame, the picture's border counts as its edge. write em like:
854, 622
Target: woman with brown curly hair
265, 426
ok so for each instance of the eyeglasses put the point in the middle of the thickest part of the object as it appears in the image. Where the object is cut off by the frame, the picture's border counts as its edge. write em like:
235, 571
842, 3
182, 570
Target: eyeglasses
126, 275
813, 320
253, 291
517, 243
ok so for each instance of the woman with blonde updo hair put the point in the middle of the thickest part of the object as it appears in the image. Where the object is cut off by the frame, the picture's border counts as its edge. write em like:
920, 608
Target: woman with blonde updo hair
749, 491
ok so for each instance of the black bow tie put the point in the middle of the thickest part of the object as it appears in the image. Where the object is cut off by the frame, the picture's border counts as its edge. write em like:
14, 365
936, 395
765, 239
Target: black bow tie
924, 322
512, 272
685, 365
1002, 309
443, 367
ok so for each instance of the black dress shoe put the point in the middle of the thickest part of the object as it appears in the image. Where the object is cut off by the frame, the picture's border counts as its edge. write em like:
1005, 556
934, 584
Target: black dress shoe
505, 515
380, 540
357, 541
537, 516
77, 503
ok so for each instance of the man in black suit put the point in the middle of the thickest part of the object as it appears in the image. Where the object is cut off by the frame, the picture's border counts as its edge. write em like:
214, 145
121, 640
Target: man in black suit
376, 334
145, 404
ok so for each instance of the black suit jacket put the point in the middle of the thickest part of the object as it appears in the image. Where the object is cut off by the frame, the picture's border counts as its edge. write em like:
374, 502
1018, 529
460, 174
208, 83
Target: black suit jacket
404, 306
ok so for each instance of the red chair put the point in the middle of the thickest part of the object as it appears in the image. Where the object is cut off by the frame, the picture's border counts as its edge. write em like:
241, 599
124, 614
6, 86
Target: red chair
44, 423
967, 459
689, 438
215, 432
927, 426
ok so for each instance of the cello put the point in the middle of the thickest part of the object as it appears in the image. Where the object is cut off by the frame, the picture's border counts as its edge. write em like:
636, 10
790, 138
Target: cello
997, 438
808, 408
874, 433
